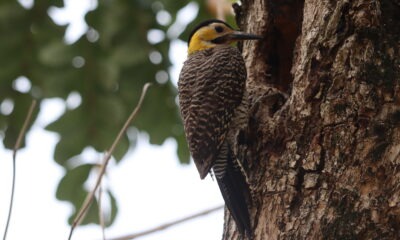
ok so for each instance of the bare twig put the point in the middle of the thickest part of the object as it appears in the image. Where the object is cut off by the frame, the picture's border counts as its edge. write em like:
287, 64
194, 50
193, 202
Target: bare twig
101, 216
14, 157
167, 225
89, 198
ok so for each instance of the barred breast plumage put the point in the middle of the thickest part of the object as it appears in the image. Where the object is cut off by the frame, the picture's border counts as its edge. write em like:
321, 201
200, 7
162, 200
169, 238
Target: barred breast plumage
212, 99
211, 86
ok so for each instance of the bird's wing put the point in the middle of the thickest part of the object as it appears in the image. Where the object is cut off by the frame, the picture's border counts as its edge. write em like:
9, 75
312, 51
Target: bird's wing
211, 86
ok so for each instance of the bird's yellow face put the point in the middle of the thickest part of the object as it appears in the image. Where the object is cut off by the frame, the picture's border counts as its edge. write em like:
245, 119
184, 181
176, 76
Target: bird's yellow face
213, 34
203, 37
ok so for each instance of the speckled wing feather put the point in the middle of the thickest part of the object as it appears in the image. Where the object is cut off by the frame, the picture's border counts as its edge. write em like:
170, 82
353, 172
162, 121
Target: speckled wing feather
211, 86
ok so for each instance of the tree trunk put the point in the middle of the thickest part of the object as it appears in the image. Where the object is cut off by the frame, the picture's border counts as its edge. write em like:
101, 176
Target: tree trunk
323, 143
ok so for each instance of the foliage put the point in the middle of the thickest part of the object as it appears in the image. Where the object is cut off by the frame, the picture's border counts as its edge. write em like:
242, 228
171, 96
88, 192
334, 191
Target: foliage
106, 67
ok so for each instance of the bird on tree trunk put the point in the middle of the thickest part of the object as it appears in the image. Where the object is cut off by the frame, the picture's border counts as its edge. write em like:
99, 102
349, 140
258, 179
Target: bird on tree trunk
212, 99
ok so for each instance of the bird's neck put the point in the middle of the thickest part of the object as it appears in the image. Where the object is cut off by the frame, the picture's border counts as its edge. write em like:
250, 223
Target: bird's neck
197, 44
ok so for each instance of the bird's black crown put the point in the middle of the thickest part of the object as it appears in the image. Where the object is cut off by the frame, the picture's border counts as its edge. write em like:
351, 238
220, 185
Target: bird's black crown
205, 23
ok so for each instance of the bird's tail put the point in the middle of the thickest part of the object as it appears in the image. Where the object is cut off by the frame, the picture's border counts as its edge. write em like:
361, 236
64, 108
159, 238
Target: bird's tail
234, 189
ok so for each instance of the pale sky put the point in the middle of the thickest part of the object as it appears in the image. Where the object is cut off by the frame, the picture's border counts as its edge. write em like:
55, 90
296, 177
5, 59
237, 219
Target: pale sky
150, 185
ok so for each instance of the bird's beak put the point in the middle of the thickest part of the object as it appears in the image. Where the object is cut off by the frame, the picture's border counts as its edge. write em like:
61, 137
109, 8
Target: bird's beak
235, 36
240, 36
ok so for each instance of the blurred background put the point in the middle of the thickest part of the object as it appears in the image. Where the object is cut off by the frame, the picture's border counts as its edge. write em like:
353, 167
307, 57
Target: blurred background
85, 62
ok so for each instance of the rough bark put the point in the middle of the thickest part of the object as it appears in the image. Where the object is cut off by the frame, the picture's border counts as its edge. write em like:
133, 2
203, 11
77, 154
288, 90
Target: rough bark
323, 149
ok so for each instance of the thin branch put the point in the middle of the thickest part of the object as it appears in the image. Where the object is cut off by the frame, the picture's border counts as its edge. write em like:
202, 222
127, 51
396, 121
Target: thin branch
106, 159
167, 225
14, 157
101, 215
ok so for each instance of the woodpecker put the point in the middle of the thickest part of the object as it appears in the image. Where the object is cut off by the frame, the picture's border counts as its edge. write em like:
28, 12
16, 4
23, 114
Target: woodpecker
212, 103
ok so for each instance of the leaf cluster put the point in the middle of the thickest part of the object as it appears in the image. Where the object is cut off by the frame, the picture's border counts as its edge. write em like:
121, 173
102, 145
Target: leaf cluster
105, 68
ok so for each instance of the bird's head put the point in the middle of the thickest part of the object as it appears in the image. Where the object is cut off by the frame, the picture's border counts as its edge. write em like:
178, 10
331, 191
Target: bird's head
212, 33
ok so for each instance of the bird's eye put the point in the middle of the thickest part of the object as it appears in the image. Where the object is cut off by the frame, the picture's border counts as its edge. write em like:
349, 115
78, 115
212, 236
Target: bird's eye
219, 29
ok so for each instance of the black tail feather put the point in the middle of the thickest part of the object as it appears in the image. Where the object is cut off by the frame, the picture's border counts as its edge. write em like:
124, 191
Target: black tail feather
236, 194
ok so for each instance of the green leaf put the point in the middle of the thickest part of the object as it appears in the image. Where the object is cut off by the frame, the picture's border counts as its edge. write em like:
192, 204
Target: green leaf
155, 116
92, 215
182, 150
72, 126
122, 148
70, 187
68, 147
16, 119
114, 209
108, 75
129, 54
116, 66
53, 84
108, 120
56, 54
58, 3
